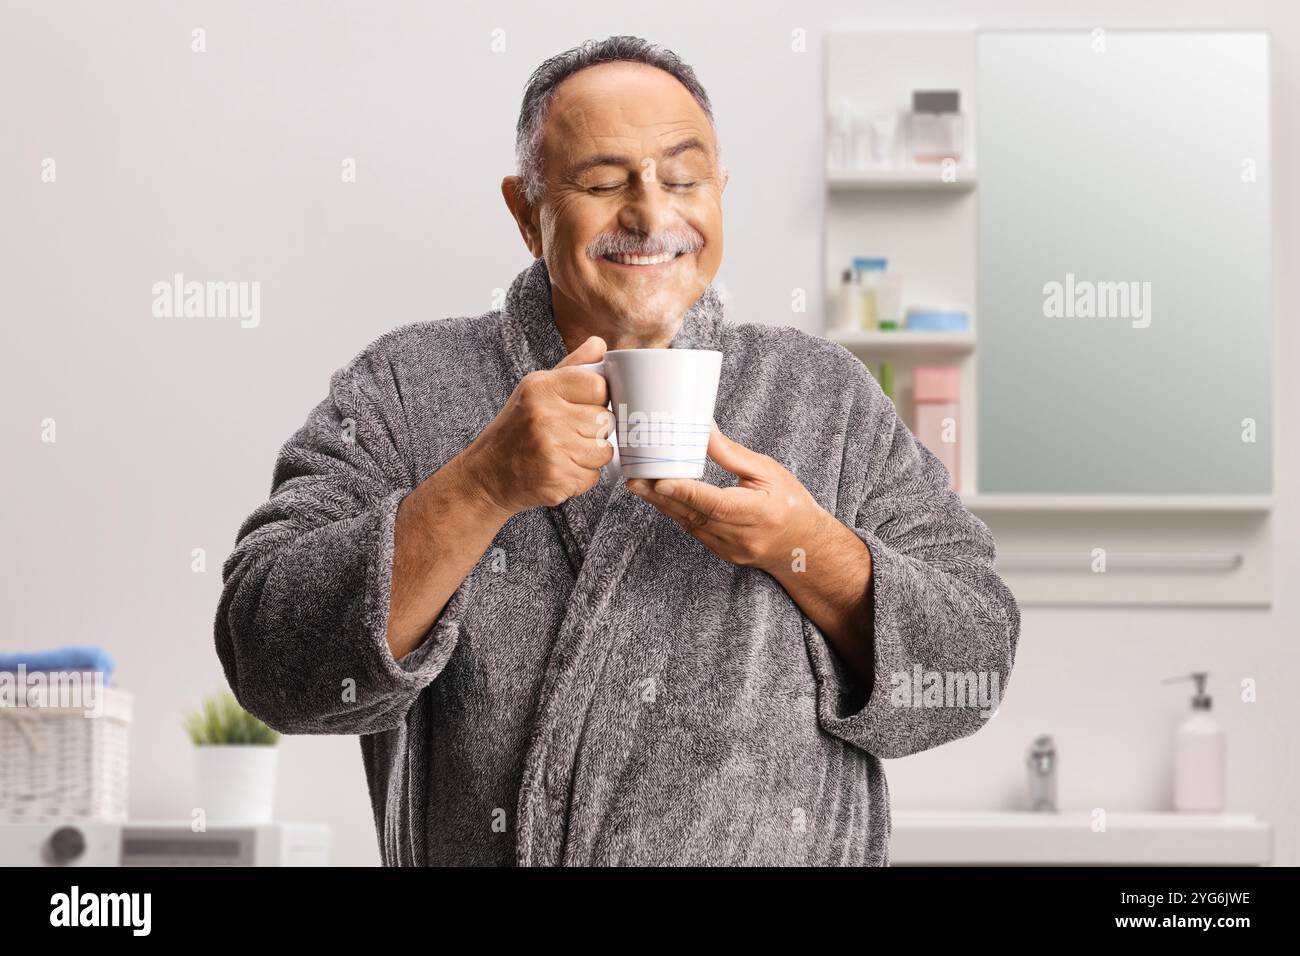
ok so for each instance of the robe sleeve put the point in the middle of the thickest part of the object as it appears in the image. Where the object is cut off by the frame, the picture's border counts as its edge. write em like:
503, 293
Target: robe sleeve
941, 613
301, 628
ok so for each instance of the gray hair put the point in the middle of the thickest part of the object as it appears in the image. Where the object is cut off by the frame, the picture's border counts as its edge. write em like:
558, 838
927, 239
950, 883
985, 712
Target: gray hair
541, 87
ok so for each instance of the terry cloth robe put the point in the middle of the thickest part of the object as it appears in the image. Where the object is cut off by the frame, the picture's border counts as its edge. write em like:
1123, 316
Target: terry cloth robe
602, 689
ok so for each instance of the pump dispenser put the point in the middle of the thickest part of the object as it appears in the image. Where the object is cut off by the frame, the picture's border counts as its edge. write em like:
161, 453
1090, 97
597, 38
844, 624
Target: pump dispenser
1200, 755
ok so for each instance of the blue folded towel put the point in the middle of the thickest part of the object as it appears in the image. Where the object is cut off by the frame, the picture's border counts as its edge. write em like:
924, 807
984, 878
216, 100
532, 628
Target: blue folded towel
87, 658
937, 320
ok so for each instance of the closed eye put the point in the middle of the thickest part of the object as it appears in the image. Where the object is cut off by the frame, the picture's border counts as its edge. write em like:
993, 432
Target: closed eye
606, 190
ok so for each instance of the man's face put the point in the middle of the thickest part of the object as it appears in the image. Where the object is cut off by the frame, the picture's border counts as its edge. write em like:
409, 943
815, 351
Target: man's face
631, 167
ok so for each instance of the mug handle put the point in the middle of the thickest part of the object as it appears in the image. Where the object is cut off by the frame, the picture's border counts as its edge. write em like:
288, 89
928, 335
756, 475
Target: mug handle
599, 369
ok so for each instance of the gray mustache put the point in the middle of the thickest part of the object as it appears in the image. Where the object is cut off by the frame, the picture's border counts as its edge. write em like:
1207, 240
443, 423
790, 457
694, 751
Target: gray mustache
636, 244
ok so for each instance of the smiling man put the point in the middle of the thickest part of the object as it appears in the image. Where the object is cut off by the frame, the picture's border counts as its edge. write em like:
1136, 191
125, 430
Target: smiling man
549, 666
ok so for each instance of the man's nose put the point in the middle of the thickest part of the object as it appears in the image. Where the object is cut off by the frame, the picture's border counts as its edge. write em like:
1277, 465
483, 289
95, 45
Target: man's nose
649, 209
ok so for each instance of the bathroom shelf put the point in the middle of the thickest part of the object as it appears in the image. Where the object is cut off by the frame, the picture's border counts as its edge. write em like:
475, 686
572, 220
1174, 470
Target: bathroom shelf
1070, 839
881, 343
903, 178
1165, 503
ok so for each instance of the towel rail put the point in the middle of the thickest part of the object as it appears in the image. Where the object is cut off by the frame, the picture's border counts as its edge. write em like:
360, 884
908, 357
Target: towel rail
1120, 561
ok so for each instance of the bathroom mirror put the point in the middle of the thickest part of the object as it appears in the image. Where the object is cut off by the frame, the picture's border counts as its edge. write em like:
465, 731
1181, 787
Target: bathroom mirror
1124, 263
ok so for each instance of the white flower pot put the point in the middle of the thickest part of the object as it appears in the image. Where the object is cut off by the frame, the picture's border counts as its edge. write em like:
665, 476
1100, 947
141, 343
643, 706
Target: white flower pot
235, 782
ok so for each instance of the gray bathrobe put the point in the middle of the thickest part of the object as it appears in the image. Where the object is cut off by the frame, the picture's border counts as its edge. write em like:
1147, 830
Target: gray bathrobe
602, 689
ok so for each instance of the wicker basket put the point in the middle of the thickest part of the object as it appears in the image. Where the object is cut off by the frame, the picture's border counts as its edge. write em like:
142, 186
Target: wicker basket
57, 762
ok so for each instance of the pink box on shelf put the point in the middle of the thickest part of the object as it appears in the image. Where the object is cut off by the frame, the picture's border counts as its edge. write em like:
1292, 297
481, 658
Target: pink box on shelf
935, 393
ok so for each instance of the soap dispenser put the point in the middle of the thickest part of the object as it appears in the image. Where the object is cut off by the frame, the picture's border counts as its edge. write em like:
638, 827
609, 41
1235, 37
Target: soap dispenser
1200, 755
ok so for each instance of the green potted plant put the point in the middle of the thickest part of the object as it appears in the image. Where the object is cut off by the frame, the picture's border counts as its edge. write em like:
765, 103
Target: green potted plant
236, 755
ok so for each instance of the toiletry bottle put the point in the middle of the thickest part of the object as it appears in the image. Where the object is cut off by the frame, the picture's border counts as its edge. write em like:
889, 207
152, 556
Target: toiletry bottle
1200, 756
839, 136
884, 139
889, 302
848, 306
861, 138
869, 272
886, 379
935, 126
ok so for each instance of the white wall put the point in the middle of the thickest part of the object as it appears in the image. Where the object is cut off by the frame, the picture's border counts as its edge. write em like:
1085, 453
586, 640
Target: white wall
225, 165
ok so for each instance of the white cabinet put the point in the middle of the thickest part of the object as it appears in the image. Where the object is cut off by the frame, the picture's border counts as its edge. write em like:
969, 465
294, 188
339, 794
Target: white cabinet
1108, 230
938, 838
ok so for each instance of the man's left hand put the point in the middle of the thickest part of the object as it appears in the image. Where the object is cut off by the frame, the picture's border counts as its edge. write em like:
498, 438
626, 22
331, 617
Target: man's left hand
758, 524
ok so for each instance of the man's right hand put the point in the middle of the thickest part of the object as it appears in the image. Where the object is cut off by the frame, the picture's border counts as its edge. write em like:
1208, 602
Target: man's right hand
549, 441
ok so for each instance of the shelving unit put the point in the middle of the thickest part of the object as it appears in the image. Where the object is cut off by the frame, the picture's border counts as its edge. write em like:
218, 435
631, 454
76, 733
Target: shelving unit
921, 221
1161, 550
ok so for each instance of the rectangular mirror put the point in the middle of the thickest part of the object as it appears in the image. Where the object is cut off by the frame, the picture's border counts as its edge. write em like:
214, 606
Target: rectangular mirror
1124, 263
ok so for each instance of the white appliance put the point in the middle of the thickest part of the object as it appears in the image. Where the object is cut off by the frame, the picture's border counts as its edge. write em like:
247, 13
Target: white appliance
132, 843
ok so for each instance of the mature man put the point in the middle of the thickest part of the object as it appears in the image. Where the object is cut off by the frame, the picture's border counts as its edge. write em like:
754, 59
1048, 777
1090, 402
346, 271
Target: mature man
547, 665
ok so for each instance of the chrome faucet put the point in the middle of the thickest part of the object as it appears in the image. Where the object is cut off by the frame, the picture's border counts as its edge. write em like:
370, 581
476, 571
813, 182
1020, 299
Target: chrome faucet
1041, 764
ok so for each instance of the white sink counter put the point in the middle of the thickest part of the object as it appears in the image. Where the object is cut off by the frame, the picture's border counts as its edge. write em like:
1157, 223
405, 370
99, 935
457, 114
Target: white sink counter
1069, 838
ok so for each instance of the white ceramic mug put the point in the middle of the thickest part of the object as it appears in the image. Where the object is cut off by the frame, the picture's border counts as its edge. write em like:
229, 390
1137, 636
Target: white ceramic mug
662, 400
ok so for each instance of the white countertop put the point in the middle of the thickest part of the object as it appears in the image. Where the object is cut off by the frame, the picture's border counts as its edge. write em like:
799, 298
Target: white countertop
1070, 838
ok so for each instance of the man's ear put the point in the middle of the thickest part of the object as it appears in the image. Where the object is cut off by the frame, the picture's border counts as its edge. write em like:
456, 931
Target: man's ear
524, 213
726, 175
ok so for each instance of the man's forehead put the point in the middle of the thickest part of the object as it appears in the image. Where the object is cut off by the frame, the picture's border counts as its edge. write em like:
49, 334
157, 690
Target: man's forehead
609, 106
